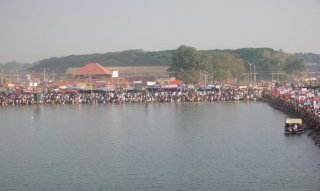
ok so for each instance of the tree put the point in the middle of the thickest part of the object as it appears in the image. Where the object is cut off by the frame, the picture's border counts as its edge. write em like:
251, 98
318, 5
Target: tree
187, 62
294, 65
225, 65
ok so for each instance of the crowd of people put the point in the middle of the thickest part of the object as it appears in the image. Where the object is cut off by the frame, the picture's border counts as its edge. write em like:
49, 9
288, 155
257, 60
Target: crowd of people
302, 102
101, 97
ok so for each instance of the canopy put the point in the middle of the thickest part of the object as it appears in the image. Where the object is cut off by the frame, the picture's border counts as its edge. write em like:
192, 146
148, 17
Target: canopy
294, 120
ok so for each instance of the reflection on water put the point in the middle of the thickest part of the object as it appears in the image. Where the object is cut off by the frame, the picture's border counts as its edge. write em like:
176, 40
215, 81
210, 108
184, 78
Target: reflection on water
189, 146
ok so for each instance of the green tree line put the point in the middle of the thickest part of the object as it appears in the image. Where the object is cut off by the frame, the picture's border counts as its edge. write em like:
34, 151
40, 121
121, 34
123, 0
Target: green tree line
309, 57
188, 62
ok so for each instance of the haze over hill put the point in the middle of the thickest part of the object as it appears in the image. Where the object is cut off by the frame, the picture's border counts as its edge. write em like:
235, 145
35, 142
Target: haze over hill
124, 58
265, 60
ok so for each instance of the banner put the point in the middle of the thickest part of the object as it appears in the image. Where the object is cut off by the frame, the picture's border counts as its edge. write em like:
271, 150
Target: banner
151, 83
137, 82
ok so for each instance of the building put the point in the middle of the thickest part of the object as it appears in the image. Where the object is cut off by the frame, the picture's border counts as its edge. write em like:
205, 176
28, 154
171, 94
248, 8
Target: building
92, 70
92, 75
130, 74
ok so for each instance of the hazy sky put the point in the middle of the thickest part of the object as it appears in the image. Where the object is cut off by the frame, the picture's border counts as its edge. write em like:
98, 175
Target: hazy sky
32, 30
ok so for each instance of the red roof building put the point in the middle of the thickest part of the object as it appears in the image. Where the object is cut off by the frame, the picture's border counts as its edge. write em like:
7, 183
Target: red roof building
94, 70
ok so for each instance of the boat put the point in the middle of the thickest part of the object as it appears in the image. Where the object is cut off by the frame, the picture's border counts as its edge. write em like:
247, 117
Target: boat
293, 126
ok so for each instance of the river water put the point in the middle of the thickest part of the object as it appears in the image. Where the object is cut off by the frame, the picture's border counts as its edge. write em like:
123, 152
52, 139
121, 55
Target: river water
189, 146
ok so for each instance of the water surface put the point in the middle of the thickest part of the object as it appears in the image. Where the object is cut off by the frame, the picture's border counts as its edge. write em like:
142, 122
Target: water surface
189, 146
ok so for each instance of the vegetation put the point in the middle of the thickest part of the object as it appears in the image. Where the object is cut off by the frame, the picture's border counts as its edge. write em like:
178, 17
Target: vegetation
267, 60
186, 63
226, 64
12, 67
309, 57
124, 58
312, 61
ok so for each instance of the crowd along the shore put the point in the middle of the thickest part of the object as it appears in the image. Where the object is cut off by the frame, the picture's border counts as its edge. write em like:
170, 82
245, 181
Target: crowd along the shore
144, 96
300, 102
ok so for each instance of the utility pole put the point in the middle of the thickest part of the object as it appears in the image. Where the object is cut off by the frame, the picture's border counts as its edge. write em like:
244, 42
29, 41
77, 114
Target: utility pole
254, 74
44, 74
1, 80
17, 75
53, 75
90, 82
250, 77
203, 76
250, 74
205, 81
244, 77
311, 74
278, 74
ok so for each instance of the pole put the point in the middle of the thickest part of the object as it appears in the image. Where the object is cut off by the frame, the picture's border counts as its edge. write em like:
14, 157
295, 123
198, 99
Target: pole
205, 81
250, 74
44, 74
90, 82
53, 75
254, 73
278, 75
245, 78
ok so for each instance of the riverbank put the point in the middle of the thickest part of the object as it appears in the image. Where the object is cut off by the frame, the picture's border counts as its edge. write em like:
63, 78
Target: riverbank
49, 98
309, 115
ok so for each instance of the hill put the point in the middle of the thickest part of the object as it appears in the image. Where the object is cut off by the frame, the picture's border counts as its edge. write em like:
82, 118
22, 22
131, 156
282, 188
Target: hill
235, 62
124, 58
309, 57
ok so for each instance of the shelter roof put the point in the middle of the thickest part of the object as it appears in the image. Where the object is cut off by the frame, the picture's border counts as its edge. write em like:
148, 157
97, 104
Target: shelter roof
294, 120
92, 69
71, 70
